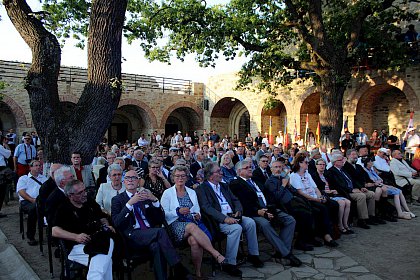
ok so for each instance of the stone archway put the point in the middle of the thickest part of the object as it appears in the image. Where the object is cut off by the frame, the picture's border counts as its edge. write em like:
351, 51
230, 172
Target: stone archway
129, 123
184, 116
278, 115
17, 112
311, 107
230, 116
382, 107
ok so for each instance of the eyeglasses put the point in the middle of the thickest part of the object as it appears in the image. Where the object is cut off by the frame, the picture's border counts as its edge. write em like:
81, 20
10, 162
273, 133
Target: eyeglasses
247, 167
180, 176
116, 174
79, 193
321, 164
131, 178
217, 171
155, 167
264, 160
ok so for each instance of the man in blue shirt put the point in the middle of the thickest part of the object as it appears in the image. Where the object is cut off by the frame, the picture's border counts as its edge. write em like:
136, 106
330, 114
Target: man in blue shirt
24, 154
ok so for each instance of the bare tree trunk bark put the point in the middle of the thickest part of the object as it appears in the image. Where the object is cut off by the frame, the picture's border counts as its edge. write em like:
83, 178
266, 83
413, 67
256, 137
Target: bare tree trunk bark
331, 104
84, 129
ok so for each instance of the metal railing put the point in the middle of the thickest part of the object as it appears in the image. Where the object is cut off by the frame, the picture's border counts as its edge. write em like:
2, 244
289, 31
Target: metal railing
131, 82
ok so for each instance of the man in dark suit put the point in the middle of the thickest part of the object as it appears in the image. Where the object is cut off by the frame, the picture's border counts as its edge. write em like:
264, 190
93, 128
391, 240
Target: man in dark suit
103, 172
198, 164
62, 176
250, 194
239, 155
46, 189
343, 183
315, 154
262, 172
139, 217
139, 164
217, 201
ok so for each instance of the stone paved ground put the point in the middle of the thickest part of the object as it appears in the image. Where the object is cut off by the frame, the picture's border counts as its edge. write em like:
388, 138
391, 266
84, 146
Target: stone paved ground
383, 252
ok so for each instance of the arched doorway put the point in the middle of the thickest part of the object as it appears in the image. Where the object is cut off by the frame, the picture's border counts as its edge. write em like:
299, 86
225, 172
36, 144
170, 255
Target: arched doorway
230, 116
382, 107
7, 118
310, 107
278, 114
184, 119
128, 123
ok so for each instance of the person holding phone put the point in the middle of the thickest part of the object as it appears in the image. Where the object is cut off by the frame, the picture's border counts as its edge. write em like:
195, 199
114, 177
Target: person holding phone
155, 181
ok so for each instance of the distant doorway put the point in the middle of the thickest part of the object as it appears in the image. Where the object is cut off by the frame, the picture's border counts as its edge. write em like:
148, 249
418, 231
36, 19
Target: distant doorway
171, 128
118, 132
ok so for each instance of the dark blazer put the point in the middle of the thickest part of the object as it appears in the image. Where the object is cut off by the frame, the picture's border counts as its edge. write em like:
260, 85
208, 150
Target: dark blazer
44, 192
356, 175
319, 183
276, 194
210, 205
103, 172
124, 219
246, 195
54, 200
143, 165
194, 168
235, 158
338, 182
259, 178
311, 167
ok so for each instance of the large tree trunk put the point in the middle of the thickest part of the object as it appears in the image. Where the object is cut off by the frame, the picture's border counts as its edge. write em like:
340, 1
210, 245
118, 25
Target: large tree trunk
331, 105
84, 129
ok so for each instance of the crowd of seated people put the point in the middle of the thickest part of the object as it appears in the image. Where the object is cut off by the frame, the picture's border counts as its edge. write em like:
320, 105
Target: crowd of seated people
156, 197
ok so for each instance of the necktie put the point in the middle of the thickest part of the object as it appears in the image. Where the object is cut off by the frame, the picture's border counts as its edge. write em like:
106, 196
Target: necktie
328, 159
137, 213
265, 174
260, 200
349, 182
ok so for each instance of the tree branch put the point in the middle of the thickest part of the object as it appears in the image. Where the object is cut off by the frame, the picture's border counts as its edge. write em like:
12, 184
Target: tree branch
249, 46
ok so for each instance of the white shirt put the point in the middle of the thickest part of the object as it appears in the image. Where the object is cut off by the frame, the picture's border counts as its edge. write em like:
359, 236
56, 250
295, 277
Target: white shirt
131, 208
279, 139
105, 194
265, 141
142, 142
187, 139
305, 183
224, 205
413, 142
4, 154
30, 186
381, 164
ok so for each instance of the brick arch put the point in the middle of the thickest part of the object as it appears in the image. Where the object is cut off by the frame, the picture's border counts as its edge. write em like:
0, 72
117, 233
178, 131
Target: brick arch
16, 110
381, 85
181, 104
142, 105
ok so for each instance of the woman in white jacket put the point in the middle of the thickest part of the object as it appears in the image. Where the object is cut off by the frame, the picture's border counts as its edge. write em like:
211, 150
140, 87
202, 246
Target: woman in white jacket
182, 213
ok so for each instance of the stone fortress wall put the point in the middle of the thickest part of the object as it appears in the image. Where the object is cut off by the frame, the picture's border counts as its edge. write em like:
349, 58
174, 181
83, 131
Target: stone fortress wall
166, 105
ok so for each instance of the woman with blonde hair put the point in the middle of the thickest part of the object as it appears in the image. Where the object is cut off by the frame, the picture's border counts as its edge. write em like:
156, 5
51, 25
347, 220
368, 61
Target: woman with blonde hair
226, 165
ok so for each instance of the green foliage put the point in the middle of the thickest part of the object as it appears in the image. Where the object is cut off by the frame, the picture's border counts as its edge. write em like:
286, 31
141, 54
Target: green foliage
275, 35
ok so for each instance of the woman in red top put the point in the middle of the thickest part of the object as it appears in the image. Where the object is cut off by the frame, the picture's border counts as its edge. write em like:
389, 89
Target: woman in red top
416, 160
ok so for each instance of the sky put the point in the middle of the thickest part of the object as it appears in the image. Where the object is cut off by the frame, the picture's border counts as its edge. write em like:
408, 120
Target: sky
13, 48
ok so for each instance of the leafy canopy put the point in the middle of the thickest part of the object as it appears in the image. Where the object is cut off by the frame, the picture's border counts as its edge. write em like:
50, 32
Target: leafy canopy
276, 36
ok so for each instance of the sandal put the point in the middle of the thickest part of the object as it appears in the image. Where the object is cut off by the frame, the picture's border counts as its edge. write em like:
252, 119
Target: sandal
405, 216
220, 256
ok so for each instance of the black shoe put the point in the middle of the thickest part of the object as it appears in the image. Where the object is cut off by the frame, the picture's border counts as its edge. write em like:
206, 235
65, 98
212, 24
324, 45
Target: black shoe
255, 261
379, 220
232, 270
371, 222
303, 246
331, 243
348, 231
3, 215
180, 271
32, 242
362, 224
391, 219
293, 260
316, 243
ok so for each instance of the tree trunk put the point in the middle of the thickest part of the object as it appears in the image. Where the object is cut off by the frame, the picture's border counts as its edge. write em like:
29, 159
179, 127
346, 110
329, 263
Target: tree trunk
93, 114
331, 104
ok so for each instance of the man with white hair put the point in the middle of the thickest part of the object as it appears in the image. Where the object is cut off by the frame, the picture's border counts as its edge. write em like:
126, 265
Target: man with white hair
404, 174
333, 152
62, 176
